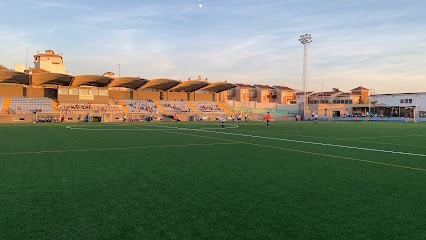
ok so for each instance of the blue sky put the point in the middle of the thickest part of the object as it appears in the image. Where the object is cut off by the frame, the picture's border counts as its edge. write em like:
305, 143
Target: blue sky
377, 44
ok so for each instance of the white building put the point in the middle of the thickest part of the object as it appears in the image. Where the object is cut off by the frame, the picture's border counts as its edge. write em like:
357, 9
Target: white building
50, 62
19, 67
400, 104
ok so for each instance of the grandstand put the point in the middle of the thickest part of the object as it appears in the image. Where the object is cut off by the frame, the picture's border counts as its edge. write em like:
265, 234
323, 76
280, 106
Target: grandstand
101, 97
1, 104
47, 91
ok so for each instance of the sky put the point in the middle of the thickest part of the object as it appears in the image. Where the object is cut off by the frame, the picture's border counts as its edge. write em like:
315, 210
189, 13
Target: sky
377, 44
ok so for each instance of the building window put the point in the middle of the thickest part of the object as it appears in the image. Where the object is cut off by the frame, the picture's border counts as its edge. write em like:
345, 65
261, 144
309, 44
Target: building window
73, 91
103, 92
406, 100
93, 92
63, 91
84, 91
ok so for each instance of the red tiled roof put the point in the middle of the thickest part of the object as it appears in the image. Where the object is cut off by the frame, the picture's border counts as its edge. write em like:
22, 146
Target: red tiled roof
243, 85
3, 67
359, 89
262, 86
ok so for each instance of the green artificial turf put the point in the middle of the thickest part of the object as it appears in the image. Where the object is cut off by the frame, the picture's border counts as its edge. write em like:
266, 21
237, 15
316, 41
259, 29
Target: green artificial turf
191, 180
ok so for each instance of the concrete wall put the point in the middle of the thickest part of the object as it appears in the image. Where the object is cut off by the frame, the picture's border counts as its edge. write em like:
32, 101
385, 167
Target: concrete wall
18, 118
35, 92
204, 96
146, 95
76, 99
178, 96
11, 90
326, 110
51, 63
119, 95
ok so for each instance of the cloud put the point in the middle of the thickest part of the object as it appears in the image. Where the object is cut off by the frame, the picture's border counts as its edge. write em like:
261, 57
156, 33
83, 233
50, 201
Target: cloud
354, 42
58, 4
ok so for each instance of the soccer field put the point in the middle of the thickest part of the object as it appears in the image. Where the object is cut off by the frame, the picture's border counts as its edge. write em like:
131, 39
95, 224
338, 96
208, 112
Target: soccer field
192, 180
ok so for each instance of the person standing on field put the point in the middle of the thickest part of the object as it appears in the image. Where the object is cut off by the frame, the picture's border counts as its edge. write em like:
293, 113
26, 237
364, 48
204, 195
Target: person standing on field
175, 117
222, 121
268, 119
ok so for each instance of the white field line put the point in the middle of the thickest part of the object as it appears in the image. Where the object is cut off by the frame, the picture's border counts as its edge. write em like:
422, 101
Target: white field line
252, 136
114, 148
375, 137
351, 139
309, 142
308, 152
157, 128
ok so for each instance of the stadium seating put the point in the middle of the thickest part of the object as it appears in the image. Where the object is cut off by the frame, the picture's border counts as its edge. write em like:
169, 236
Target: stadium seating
30, 105
207, 106
175, 106
89, 108
140, 106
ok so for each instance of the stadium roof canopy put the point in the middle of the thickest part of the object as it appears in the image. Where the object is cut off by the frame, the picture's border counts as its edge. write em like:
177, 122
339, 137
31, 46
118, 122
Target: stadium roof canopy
190, 85
128, 82
218, 87
51, 78
10, 76
160, 84
90, 80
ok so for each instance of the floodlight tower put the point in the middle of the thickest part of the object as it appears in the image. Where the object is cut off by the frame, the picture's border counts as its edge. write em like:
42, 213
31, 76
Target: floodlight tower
415, 108
26, 59
369, 101
305, 39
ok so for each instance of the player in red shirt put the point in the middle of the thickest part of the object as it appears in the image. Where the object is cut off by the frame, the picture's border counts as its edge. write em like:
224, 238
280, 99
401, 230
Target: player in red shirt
268, 119
175, 117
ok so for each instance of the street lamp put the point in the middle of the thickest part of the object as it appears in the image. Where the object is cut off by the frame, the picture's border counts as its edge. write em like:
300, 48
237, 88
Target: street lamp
305, 39
119, 69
